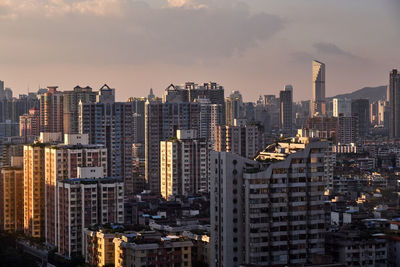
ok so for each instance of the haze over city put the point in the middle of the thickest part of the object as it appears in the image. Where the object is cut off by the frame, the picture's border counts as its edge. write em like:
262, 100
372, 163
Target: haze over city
253, 46
199, 133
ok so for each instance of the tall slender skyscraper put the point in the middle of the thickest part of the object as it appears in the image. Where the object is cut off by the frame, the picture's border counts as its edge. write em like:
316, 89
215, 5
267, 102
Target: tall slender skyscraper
318, 101
394, 104
286, 103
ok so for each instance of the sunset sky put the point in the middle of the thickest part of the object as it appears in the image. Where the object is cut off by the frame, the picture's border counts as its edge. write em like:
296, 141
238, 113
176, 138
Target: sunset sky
254, 46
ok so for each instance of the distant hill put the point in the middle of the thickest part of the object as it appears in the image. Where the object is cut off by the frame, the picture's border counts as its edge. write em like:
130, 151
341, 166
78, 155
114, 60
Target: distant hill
371, 93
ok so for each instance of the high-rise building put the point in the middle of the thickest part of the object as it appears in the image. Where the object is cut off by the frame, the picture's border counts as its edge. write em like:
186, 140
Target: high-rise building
318, 104
347, 129
29, 125
34, 190
71, 101
64, 161
138, 105
394, 104
12, 197
139, 167
190, 91
341, 106
162, 121
383, 110
360, 109
244, 140
268, 114
84, 202
286, 110
249, 111
109, 123
374, 117
211, 115
226, 202
1, 90
320, 127
51, 111
9, 129
270, 211
184, 166
234, 107
12, 109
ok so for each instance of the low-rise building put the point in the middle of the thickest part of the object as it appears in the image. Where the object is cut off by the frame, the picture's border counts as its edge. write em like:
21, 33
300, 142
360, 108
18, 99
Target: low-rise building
358, 248
139, 250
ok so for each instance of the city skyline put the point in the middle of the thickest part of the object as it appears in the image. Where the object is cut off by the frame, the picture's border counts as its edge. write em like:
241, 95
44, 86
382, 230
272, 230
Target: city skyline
199, 133
54, 50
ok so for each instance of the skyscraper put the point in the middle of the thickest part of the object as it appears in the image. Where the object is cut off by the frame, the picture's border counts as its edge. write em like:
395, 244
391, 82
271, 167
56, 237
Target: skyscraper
62, 162
360, 109
341, 106
244, 140
211, 115
71, 101
110, 123
1, 90
29, 125
83, 202
138, 105
234, 107
318, 104
190, 91
347, 130
286, 104
262, 211
394, 104
162, 122
184, 166
34, 190
12, 198
51, 111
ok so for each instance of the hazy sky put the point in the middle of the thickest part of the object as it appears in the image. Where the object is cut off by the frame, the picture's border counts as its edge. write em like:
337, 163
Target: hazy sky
255, 46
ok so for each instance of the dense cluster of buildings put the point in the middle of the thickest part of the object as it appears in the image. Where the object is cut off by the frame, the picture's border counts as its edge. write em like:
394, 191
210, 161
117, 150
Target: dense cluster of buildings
194, 178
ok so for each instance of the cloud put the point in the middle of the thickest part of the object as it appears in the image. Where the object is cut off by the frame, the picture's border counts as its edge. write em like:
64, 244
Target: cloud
332, 49
325, 50
122, 31
50, 8
301, 56
187, 4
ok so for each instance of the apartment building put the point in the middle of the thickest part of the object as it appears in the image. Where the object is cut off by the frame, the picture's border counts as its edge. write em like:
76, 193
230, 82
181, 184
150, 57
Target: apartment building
85, 202
270, 211
184, 166
241, 139
12, 198
34, 190
65, 161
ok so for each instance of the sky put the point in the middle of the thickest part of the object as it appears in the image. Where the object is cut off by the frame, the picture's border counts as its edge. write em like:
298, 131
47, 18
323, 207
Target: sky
254, 46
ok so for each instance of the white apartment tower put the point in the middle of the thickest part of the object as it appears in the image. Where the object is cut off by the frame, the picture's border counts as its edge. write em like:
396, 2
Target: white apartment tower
270, 211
